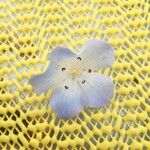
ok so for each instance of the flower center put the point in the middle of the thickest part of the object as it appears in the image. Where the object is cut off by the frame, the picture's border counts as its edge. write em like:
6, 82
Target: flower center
74, 72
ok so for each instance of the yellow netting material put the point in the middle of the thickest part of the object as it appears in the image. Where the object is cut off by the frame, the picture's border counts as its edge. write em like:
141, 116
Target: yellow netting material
30, 29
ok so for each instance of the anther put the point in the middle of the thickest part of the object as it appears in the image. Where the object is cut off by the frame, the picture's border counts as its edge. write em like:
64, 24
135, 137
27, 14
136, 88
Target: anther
89, 70
66, 87
83, 81
79, 58
63, 69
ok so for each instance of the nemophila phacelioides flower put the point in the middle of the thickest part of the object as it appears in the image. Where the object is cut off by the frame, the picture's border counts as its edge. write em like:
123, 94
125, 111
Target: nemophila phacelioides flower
75, 78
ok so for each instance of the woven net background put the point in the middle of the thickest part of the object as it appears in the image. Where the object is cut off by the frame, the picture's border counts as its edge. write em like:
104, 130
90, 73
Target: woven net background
30, 29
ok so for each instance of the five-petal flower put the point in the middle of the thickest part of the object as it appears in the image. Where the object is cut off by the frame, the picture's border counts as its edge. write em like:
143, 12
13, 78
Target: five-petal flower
75, 78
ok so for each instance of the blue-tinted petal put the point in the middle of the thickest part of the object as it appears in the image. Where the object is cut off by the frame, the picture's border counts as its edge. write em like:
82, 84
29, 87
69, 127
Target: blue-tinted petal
60, 53
97, 54
51, 77
66, 102
97, 90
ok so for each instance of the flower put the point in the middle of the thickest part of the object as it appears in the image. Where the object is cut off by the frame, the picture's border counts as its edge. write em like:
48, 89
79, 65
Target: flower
75, 78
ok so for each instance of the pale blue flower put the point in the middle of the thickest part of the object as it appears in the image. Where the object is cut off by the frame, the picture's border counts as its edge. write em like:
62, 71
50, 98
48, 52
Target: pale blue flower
75, 79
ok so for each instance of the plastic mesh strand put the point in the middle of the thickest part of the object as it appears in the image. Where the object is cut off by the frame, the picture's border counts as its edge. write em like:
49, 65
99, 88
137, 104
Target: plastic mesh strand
30, 29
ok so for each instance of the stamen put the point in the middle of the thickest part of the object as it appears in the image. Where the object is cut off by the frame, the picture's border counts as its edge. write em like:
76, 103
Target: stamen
83, 81
89, 70
66, 87
79, 58
63, 69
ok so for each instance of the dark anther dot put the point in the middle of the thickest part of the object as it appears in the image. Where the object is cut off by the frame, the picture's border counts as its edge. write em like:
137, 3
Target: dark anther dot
89, 70
79, 58
66, 87
63, 69
83, 81
135, 80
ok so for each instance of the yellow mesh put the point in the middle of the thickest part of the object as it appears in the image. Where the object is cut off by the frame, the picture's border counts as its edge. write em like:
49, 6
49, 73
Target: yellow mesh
30, 29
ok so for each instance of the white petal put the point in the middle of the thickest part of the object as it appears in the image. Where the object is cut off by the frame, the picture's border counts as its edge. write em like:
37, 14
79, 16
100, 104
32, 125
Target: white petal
52, 76
97, 54
66, 102
97, 90
60, 53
